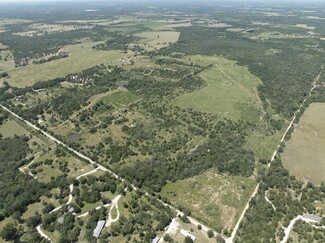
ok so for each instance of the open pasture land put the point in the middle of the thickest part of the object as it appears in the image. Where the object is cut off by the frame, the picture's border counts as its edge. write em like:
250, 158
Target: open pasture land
81, 56
121, 97
6, 21
278, 35
230, 91
40, 29
6, 60
304, 155
11, 127
214, 199
71, 165
158, 39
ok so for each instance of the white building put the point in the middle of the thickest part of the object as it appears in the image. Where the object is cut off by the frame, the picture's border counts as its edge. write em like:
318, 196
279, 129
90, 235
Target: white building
187, 234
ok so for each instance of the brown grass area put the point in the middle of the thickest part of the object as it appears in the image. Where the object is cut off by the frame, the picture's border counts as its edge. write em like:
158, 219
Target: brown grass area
304, 155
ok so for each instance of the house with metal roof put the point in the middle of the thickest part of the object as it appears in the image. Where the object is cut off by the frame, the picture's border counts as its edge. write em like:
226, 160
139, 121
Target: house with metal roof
99, 227
187, 234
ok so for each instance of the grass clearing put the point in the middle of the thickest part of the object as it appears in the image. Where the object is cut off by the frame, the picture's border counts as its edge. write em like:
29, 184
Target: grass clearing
231, 91
304, 155
121, 97
11, 127
214, 199
81, 56
263, 145
6, 60
158, 39
40, 29
277, 35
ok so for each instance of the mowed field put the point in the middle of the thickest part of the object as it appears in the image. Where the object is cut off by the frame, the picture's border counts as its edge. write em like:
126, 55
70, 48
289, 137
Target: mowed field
214, 199
81, 56
231, 91
304, 154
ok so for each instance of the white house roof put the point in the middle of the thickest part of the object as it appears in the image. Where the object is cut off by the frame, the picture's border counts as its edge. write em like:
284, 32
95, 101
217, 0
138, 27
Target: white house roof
99, 227
187, 234
155, 240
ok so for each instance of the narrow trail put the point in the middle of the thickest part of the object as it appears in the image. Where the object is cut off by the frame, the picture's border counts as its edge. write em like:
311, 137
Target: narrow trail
293, 221
22, 169
269, 201
86, 213
234, 232
39, 230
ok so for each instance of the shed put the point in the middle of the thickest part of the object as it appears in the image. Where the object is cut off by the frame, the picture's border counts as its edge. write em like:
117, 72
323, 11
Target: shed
187, 234
99, 227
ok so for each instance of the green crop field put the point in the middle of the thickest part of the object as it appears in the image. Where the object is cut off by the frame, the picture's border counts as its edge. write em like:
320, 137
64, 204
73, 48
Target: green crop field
81, 57
213, 198
304, 155
231, 91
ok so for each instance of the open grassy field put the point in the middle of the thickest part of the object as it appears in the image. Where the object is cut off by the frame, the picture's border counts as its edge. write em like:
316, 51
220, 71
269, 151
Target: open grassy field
278, 35
7, 21
81, 56
40, 29
215, 199
231, 91
304, 155
6, 60
263, 145
11, 127
158, 39
122, 97
75, 166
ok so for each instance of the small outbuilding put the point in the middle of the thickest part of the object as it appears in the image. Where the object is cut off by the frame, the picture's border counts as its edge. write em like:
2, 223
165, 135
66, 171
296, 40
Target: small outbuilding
99, 227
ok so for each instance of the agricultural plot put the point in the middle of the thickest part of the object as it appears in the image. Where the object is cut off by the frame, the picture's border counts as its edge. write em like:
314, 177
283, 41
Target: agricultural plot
81, 56
214, 198
230, 91
304, 154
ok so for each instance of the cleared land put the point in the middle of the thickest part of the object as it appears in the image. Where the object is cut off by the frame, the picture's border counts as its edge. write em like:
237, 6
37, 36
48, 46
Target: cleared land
11, 127
158, 39
41, 29
231, 91
215, 199
6, 60
81, 57
304, 155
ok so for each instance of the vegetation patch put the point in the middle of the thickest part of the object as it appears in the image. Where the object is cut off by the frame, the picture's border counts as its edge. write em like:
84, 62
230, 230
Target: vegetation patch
214, 198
